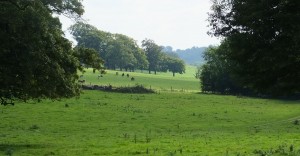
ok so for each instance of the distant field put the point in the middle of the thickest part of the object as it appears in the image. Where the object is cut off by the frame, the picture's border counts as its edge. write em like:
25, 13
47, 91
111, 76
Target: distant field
101, 123
161, 81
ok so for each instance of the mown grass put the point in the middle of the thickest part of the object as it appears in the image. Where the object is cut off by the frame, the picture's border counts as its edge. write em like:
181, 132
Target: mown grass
101, 123
160, 82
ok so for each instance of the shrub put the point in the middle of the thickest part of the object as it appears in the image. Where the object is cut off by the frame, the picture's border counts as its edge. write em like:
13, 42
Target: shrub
135, 89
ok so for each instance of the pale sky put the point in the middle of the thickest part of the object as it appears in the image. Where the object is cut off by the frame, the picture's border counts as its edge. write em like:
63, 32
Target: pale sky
181, 24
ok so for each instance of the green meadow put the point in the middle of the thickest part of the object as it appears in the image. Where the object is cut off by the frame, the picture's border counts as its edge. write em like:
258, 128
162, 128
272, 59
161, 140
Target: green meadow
160, 82
182, 122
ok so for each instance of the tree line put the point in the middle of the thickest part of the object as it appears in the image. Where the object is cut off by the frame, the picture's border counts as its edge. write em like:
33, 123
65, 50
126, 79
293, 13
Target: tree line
37, 61
260, 51
122, 52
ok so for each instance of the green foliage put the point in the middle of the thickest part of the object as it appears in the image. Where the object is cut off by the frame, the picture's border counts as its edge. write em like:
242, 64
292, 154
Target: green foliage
138, 89
153, 53
89, 58
263, 38
36, 61
117, 50
174, 65
216, 74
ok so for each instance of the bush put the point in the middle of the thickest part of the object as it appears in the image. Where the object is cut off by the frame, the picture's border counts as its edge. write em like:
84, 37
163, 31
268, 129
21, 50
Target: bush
135, 89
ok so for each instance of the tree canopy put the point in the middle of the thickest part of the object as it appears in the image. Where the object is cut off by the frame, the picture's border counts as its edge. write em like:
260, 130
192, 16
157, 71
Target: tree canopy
263, 38
216, 74
36, 60
117, 50
153, 53
121, 51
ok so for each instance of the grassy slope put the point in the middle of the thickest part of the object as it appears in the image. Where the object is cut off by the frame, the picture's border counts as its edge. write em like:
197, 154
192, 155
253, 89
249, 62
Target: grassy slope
102, 123
161, 81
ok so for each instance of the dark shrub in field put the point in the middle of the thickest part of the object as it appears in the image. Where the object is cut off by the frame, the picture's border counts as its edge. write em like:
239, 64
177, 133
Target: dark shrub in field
134, 89
131, 89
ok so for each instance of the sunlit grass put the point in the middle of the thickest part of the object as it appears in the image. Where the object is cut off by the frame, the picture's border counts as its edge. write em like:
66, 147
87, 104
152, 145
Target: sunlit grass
100, 123
180, 121
161, 81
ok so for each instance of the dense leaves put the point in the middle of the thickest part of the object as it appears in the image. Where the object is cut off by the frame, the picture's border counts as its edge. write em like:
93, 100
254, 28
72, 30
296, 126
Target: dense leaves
122, 52
153, 53
89, 58
216, 74
117, 50
172, 64
264, 41
36, 61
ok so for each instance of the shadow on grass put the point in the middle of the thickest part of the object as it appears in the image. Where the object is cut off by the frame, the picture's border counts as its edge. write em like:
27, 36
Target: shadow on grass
291, 98
8, 149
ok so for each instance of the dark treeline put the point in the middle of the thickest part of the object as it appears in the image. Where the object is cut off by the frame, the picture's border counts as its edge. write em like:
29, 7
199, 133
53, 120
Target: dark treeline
122, 52
260, 53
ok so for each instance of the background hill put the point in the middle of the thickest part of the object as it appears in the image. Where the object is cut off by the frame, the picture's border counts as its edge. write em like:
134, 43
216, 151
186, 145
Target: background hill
192, 56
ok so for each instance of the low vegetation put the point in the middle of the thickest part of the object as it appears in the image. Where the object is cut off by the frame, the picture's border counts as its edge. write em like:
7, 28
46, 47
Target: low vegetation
105, 123
138, 89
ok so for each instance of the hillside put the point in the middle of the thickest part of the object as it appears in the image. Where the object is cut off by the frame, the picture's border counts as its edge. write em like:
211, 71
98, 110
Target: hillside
160, 82
192, 56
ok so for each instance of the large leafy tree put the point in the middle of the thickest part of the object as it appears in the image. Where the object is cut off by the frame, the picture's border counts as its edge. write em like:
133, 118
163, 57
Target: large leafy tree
176, 66
264, 41
172, 63
89, 36
153, 53
36, 61
216, 73
120, 52
117, 50
89, 58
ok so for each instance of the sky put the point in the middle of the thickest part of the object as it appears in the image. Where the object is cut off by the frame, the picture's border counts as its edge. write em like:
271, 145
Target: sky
181, 24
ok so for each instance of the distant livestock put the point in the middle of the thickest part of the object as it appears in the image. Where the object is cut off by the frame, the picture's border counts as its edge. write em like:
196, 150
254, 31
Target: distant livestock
132, 79
123, 74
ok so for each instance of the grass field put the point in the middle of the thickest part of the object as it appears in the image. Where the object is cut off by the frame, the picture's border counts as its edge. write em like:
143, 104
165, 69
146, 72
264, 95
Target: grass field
161, 81
165, 123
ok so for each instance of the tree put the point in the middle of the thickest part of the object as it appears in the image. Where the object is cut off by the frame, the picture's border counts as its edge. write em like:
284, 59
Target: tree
36, 61
263, 38
140, 55
89, 58
172, 64
120, 52
89, 36
153, 53
176, 66
117, 50
216, 74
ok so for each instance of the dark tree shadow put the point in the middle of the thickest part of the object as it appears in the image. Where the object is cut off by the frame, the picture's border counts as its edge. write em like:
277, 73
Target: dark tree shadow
9, 149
